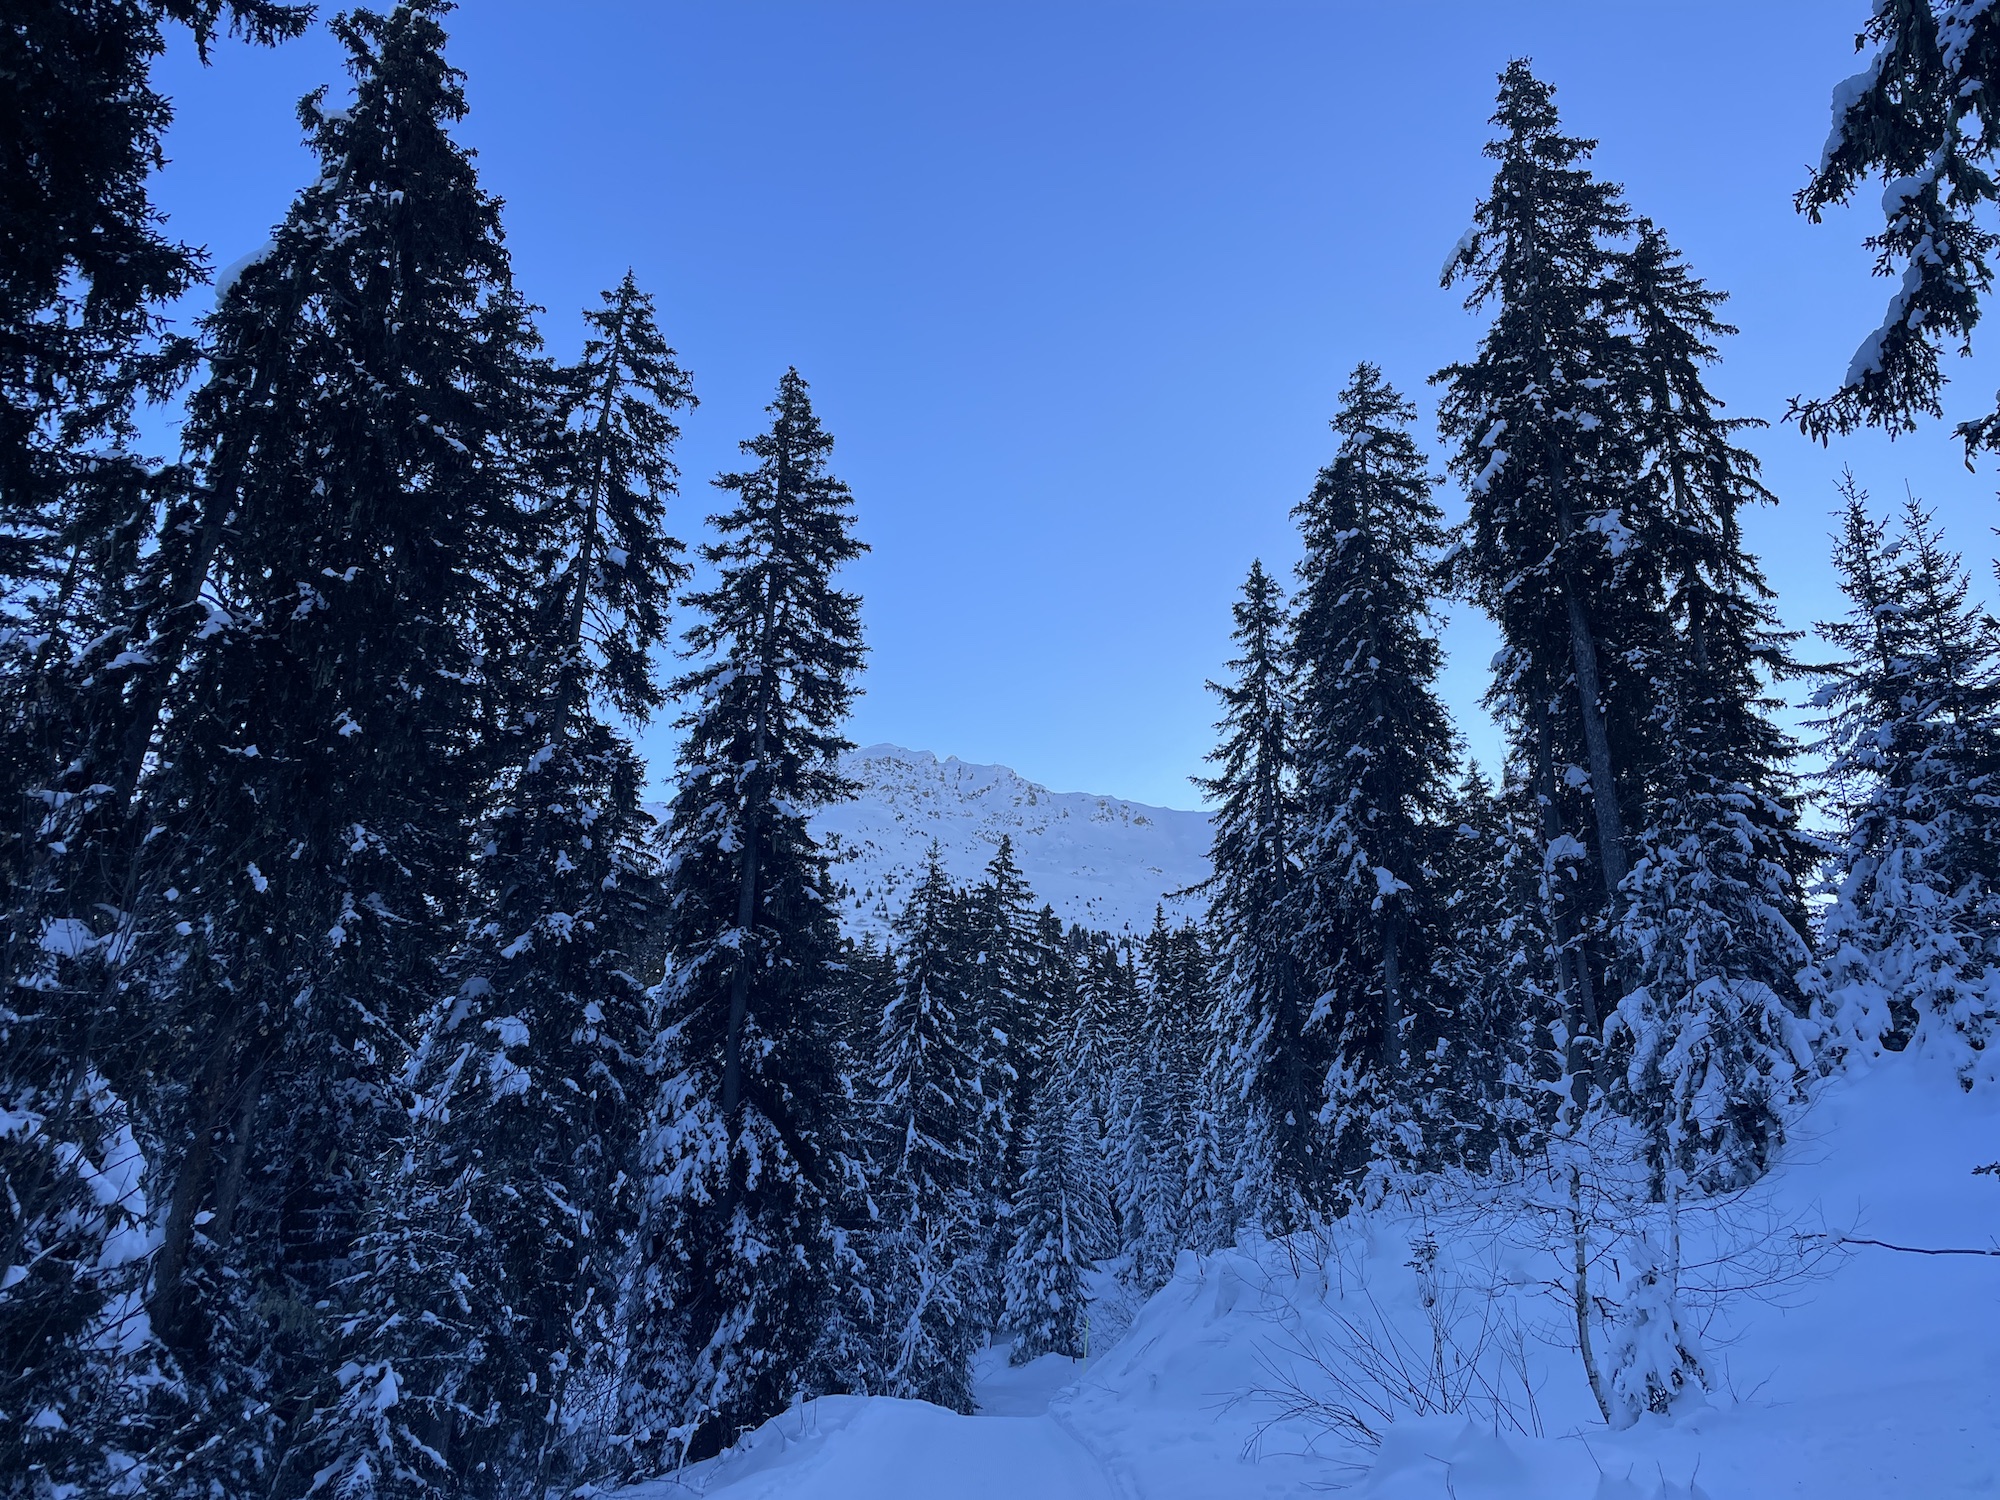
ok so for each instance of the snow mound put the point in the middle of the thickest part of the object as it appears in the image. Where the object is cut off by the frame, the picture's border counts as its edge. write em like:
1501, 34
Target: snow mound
851, 1447
1099, 861
1878, 1376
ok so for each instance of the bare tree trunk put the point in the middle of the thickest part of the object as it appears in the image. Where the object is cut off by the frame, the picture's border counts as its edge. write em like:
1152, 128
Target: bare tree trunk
191, 1186
1581, 1293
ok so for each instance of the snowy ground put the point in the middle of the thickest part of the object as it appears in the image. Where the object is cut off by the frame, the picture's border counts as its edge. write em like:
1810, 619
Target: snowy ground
1879, 1377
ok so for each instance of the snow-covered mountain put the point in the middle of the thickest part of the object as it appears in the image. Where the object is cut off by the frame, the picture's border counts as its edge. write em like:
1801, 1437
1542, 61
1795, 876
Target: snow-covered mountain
1097, 860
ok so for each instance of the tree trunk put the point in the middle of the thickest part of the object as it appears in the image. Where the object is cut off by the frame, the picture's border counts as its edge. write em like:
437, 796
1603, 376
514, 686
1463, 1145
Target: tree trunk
1581, 1296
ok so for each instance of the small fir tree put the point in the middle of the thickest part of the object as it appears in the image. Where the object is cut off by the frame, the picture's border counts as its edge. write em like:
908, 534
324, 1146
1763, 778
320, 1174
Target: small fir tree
1276, 1068
1911, 732
1056, 1228
930, 1256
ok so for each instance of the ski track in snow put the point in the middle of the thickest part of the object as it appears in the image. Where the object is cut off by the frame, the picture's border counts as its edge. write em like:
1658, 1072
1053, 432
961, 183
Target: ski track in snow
846, 1447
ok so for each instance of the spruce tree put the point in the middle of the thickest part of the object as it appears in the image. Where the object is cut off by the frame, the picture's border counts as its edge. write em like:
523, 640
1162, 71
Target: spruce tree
1911, 733
1277, 1068
1922, 117
743, 1162
930, 1258
1169, 1053
373, 398
84, 270
849, 1356
1007, 1035
1056, 1227
1716, 930
1374, 747
1547, 459
1485, 1083
513, 1200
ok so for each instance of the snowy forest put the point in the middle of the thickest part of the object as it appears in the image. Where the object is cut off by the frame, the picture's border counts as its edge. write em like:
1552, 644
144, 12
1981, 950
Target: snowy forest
392, 1105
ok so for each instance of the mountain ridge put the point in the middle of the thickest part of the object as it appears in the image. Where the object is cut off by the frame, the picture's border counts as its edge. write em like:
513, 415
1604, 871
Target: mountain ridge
1100, 861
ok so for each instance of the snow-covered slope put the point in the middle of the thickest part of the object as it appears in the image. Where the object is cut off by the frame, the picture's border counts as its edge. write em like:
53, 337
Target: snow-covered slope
1097, 860
1877, 1377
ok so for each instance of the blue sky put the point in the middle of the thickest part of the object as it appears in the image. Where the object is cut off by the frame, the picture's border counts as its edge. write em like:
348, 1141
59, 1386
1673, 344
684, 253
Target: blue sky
1075, 285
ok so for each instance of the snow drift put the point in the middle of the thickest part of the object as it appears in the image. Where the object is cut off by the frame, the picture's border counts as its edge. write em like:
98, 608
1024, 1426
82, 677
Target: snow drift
1854, 1370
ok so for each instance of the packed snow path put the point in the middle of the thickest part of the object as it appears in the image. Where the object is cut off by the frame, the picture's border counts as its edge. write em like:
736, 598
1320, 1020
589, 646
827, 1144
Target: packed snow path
843, 1447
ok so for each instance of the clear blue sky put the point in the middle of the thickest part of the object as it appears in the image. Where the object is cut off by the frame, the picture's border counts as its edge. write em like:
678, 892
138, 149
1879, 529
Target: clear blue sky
1075, 285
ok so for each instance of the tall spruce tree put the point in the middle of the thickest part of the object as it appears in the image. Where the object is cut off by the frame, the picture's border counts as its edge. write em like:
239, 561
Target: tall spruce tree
1277, 1068
1547, 460
1911, 733
930, 1258
513, 1200
1008, 1023
1374, 748
1716, 932
743, 1160
373, 397
1168, 1054
84, 270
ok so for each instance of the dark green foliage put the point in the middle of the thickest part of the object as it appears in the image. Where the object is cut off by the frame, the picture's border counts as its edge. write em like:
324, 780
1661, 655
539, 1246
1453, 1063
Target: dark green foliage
1922, 117
1542, 452
1057, 1228
1375, 745
1007, 1024
1911, 731
745, 1159
930, 1259
84, 269
373, 385
514, 1201
1253, 898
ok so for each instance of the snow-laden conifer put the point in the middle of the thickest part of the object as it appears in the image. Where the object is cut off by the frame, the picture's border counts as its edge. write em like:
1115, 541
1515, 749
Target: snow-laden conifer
1276, 1070
744, 1157
1920, 116
1483, 1084
91, 559
1714, 933
929, 1255
1374, 748
365, 430
1007, 1018
1912, 735
1056, 1226
513, 1198
1540, 445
